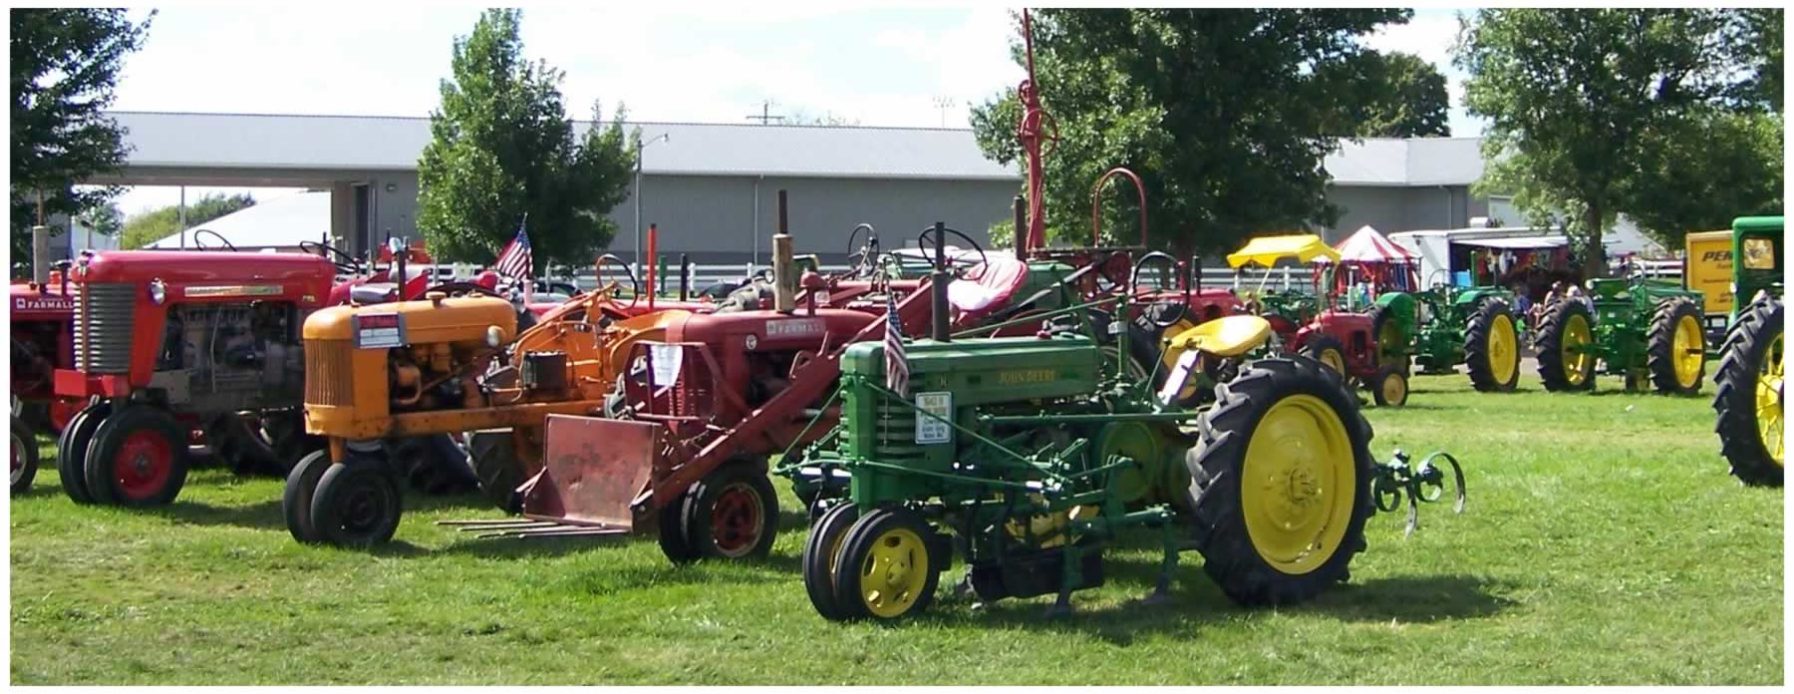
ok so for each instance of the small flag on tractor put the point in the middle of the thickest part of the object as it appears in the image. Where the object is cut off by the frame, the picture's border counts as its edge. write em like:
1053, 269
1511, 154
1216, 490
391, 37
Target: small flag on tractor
896, 359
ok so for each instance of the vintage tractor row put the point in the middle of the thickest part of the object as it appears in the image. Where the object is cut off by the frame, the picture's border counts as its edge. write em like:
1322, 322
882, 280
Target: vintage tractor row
1648, 331
1749, 393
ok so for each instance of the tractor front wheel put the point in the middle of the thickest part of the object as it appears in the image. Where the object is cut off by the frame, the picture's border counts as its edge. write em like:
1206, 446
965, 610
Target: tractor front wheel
1750, 393
295, 500
1676, 354
1492, 348
138, 458
24, 455
71, 450
822, 559
888, 568
733, 513
358, 503
1391, 389
1566, 346
1280, 483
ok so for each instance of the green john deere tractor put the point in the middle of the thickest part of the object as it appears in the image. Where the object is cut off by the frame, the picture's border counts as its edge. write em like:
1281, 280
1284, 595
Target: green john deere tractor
1025, 456
1471, 326
1647, 330
1748, 384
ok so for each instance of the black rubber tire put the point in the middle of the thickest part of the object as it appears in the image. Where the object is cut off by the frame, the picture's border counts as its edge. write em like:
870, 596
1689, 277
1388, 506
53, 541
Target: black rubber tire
821, 550
1217, 463
432, 464
358, 504
1477, 358
861, 537
674, 542
740, 476
71, 450
1319, 345
1380, 391
100, 468
492, 455
1746, 345
36, 414
1660, 346
240, 446
286, 435
295, 499
24, 451
1550, 347
1386, 354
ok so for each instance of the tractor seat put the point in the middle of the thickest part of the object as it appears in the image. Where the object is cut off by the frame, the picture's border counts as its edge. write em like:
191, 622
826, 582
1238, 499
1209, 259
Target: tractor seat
371, 293
1229, 336
987, 286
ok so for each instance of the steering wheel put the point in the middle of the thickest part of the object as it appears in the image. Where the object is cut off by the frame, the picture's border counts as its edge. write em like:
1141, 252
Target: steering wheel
226, 242
635, 284
343, 261
1134, 281
862, 257
455, 287
926, 241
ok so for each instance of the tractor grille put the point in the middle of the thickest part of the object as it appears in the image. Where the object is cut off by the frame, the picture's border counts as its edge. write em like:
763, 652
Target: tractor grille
103, 328
327, 373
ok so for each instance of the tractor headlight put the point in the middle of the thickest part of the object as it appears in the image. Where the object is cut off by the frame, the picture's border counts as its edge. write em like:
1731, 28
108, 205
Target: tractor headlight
158, 291
494, 337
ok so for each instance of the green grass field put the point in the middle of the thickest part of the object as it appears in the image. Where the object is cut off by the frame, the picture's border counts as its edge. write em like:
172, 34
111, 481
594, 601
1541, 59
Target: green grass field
1603, 543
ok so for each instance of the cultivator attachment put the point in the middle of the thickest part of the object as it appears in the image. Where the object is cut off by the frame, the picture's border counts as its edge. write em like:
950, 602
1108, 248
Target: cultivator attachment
593, 470
1424, 483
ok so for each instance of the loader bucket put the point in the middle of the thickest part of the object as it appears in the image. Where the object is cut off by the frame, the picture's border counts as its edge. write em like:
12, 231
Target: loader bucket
592, 469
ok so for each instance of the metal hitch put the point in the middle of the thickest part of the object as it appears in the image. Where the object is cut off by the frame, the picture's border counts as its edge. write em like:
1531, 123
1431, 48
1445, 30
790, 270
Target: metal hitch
1423, 483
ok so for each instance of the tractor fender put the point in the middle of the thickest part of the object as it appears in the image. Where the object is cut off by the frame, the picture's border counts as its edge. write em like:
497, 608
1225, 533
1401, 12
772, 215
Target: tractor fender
1403, 306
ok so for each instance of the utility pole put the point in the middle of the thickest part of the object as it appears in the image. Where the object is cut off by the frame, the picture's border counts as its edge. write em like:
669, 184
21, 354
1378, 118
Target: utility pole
943, 103
766, 114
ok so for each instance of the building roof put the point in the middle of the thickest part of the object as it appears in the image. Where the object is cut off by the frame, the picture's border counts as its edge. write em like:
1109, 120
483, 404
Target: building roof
383, 143
280, 222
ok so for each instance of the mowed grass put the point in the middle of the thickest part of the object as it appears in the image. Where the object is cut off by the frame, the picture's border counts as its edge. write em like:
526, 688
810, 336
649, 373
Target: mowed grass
1603, 543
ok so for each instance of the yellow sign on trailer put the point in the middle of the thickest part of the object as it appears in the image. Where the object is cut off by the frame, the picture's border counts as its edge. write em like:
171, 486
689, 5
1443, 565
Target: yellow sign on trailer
1708, 269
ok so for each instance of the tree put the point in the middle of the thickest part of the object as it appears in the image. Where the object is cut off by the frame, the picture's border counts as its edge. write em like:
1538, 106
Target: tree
105, 219
1221, 113
1582, 105
1389, 95
149, 227
65, 64
1701, 172
502, 147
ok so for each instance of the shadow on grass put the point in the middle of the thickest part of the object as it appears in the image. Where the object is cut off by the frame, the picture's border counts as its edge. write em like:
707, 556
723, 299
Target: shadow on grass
262, 515
1411, 599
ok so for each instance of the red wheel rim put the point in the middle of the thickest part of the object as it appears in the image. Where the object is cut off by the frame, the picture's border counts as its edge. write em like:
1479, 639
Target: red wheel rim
735, 520
143, 465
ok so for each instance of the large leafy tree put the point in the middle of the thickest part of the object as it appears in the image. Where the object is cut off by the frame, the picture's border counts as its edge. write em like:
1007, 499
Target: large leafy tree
1221, 113
65, 64
503, 147
1594, 113
149, 227
1388, 95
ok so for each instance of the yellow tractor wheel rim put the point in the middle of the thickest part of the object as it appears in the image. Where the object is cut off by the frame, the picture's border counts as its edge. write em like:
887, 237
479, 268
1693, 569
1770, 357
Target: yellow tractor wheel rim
1296, 484
894, 573
1170, 357
1691, 352
1333, 360
1504, 352
1576, 360
1395, 388
1389, 340
1769, 399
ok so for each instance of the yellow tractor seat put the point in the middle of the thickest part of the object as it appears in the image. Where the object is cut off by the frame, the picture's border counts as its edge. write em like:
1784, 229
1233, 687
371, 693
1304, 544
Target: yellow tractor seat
1229, 336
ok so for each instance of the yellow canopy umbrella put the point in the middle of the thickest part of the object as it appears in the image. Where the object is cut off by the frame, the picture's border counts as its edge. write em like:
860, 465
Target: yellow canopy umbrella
1267, 250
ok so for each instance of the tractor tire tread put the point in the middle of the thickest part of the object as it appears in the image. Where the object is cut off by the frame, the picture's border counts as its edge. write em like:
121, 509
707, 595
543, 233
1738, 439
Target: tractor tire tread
1734, 400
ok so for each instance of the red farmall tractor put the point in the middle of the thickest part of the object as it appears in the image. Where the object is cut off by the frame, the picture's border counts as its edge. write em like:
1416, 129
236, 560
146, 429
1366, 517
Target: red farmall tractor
1342, 340
41, 343
166, 342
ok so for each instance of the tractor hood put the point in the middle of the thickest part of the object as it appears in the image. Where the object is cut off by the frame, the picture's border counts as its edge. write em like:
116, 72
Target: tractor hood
458, 319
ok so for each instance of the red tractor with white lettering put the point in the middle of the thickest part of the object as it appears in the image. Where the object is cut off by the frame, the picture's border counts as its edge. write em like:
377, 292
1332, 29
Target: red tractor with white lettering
41, 343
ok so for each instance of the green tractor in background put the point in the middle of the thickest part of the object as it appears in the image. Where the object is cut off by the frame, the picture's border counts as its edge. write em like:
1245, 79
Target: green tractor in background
1748, 383
1647, 330
1473, 326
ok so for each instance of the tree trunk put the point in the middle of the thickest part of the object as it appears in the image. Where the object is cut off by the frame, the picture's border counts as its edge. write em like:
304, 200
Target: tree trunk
1594, 259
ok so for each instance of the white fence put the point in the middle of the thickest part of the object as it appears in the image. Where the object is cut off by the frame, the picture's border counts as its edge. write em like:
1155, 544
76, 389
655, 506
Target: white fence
704, 275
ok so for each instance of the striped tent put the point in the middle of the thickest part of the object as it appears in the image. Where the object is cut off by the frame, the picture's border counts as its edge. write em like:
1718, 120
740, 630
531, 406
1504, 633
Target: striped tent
1367, 245
1370, 256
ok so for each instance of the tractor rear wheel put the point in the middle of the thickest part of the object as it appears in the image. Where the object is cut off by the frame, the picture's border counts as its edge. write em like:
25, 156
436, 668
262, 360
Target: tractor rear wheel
286, 435
138, 458
1280, 483
1676, 353
239, 444
1327, 350
1750, 393
24, 455
295, 500
358, 503
733, 512
1492, 348
1391, 388
1566, 345
822, 558
1392, 344
71, 450
889, 566
432, 464
493, 457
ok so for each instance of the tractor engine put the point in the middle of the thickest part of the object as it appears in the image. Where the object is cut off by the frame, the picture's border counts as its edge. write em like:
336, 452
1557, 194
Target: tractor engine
366, 364
221, 357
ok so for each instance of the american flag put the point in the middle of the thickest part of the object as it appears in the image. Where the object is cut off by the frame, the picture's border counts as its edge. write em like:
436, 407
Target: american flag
896, 359
514, 261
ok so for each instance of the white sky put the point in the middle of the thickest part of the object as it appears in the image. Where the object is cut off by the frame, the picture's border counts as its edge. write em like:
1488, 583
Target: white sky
664, 61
